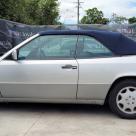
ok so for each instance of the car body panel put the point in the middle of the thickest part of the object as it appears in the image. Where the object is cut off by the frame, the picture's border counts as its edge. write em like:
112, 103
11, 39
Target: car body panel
97, 75
38, 79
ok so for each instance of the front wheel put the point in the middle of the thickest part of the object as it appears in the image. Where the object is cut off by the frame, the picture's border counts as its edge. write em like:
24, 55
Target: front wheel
122, 99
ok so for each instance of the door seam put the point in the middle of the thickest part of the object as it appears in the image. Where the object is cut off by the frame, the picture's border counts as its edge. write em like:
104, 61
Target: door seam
77, 80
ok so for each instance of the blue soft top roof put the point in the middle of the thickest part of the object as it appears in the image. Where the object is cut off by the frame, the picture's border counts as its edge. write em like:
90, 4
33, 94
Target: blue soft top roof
116, 42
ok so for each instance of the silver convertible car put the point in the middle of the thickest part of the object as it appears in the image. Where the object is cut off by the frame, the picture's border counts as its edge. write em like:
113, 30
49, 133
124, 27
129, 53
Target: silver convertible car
88, 67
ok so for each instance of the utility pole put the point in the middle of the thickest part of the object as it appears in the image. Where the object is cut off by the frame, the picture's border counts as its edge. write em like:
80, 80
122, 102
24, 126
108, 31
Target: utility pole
78, 10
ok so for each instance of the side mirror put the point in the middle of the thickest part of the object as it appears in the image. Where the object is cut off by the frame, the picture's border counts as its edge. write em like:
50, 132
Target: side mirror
14, 55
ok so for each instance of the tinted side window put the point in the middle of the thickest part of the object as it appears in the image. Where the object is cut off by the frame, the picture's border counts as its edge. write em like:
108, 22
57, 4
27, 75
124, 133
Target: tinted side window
88, 47
49, 47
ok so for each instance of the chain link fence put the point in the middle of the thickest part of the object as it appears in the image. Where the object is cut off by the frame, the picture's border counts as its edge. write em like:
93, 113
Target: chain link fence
13, 33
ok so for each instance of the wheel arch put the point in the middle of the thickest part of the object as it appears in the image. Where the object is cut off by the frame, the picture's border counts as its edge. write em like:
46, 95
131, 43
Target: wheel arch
116, 81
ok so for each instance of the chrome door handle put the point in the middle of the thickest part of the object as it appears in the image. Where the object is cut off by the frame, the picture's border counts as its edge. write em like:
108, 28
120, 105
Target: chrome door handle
69, 67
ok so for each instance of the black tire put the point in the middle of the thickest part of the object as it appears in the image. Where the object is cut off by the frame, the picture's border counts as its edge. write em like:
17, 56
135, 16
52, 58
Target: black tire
113, 95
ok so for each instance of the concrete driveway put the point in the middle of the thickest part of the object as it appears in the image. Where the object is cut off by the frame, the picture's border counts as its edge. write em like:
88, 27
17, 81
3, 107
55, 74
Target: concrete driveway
18, 119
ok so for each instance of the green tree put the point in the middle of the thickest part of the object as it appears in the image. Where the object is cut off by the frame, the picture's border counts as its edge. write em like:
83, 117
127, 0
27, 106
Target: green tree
37, 12
48, 9
94, 16
31, 11
43, 12
132, 20
116, 19
12, 10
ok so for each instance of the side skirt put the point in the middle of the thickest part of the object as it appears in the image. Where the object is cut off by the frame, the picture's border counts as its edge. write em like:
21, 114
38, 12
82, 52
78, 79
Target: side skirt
32, 100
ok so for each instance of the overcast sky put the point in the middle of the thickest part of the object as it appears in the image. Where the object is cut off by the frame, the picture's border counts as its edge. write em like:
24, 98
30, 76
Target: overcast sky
68, 9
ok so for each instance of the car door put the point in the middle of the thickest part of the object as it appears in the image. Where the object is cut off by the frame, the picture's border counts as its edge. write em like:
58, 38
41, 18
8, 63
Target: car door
46, 69
94, 69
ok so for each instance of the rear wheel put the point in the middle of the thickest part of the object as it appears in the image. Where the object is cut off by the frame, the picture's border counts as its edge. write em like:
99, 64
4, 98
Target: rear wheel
122, 99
